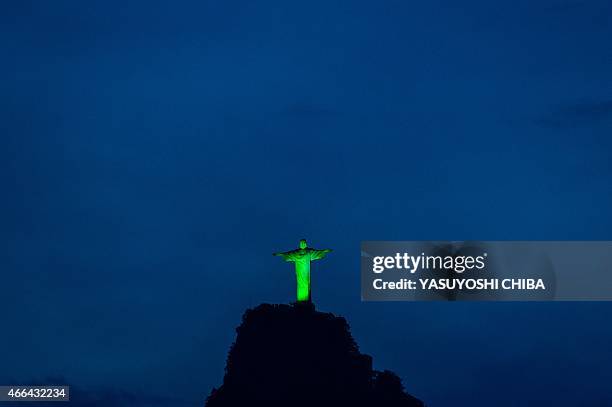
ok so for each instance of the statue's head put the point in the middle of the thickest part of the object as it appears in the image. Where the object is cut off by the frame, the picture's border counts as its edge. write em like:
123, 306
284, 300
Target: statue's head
303, 244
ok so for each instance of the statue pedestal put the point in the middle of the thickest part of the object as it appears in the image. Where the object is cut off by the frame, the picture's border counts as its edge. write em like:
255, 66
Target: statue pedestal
304, 305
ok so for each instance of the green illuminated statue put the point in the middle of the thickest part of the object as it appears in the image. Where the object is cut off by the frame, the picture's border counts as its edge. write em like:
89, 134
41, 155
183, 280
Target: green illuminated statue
302, 258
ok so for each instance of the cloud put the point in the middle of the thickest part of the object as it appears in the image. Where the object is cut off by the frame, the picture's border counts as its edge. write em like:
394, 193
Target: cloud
117, 397
578, 114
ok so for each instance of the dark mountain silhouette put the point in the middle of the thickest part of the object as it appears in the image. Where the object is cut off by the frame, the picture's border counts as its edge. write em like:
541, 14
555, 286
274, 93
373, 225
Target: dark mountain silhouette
293, 355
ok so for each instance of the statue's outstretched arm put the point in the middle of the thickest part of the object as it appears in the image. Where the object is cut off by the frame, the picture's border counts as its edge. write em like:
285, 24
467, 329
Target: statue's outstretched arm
319, 254
287, 256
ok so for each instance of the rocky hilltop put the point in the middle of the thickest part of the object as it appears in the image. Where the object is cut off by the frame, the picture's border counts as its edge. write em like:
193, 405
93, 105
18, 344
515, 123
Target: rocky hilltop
293, 355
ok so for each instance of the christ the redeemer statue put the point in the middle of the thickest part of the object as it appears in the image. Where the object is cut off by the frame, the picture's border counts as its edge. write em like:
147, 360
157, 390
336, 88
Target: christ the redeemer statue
302, 258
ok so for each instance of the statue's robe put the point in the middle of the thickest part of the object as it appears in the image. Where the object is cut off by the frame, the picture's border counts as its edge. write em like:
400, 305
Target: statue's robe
302, 259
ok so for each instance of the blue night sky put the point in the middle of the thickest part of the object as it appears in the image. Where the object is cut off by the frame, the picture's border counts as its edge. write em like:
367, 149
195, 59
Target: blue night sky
154, 155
